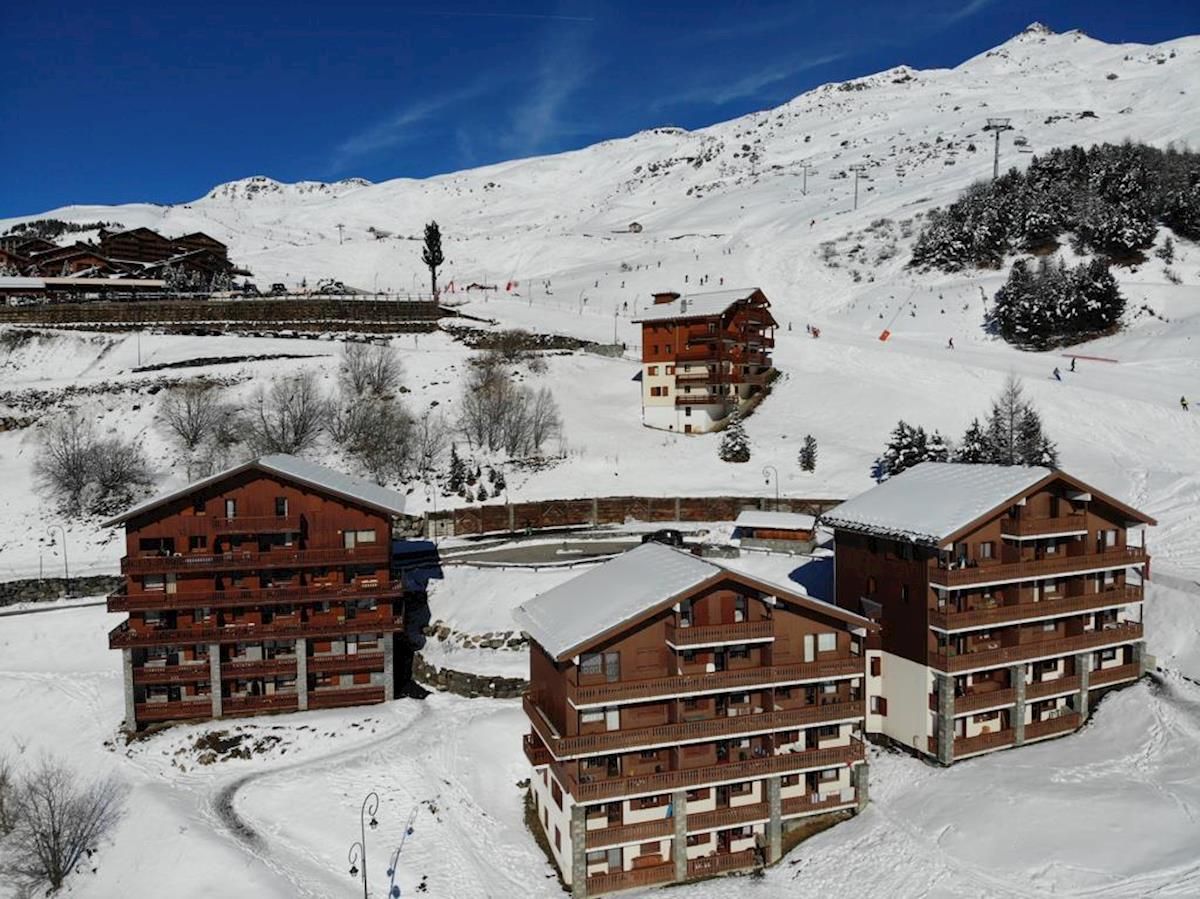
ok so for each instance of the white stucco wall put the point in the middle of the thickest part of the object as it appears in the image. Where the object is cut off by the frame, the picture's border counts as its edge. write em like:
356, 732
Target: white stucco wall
906, 686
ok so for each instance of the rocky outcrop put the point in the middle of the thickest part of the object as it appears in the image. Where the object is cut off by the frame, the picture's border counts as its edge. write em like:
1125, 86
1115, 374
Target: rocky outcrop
463, 683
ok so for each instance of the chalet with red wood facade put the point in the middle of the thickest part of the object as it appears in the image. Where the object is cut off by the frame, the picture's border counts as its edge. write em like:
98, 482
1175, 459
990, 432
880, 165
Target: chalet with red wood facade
266, 587
683, 716
704, 356
1008, 598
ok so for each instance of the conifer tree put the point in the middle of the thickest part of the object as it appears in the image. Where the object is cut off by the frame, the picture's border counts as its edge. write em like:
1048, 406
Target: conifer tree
735, 445
808, 454
431, 255
458, 471
973, 449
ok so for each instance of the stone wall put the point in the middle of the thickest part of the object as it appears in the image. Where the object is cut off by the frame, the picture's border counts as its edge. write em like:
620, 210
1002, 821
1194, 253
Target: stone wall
50, 588
463, 683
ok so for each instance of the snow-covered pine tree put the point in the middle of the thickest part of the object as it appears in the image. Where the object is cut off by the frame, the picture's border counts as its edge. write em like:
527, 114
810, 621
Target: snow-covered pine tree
499, 484
900, 452
936, 449
1004, 422
482, 494
458, 471
808, 453
973, 449
735, 445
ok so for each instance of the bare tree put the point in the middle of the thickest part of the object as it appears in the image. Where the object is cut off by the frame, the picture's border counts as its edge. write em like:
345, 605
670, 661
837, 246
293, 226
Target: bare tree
63, 467
58, 820
192, 412
430, 440
288, 417
8, 787
497, 413
371, 368
120, 472
385, 440
545, 422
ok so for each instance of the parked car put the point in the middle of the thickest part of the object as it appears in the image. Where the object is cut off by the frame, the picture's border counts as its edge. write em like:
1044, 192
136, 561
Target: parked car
250, 289
279, 290
668, 536
330, 286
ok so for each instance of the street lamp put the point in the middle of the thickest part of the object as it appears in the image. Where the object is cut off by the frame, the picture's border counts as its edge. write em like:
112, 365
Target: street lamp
358, 849
393, 890
66, 567
768, 470
431, 494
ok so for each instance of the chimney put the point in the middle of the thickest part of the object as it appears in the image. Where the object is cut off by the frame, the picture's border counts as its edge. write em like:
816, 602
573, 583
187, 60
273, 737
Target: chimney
666, 296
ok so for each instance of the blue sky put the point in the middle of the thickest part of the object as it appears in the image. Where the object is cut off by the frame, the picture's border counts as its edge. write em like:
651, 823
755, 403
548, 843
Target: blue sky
116, 102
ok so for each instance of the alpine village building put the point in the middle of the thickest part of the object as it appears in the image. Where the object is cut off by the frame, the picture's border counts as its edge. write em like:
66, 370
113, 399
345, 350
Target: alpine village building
683, 716
266, 587
704, 355
1005, 602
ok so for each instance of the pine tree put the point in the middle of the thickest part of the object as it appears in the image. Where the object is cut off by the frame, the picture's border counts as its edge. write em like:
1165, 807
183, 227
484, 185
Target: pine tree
901, 452
1003, 423
973, 449
482, 494
458, 471
499, 484
735, 446
431, 255
808, 454
936, 449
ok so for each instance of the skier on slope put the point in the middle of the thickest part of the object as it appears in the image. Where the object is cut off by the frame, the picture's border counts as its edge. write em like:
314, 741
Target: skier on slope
1072, 363
1057, 374
1184, 403
950, 344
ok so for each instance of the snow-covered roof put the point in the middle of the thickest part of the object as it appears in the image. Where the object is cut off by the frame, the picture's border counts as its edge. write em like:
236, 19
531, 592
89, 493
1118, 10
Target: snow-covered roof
696, 305
623, 589
931, 501
779, 521
15, 282
291, 468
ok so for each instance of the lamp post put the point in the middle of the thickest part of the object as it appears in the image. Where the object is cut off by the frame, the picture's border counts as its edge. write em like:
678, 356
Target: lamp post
358, 849
66, 567
768, 470
393, 890
431, 494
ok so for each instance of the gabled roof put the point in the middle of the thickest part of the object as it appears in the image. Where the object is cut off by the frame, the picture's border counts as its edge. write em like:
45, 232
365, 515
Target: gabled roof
624, 590
936, 502
697, 305
290, 468
780, 521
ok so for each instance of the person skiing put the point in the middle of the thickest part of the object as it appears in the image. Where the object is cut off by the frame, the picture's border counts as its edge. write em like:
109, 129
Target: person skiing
1072, 363
950, 343
1057, 374
1184, 403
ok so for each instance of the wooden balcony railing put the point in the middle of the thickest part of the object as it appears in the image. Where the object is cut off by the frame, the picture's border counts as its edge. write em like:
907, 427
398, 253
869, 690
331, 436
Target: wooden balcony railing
244, 560
172, 711
712, 634
983, 700
814, 802
710, 728
123, 635
641, 832
785, 763
715, 682
1037, 527
1054, 687
187, 673
123, 601
362, 661
702, 399
257, 524
277, 702
628, 880
950, 620
1047, 566
1115, 675
535, 751
995, 740
254, 668
342, 696
1058, 725
708, 865
1007, 655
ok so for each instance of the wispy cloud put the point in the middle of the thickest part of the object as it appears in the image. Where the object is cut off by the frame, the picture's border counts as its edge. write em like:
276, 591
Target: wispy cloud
403, 126
965, 11
749, 84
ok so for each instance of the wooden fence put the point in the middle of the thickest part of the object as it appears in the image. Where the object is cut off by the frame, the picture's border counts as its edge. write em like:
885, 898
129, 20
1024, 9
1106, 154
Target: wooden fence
562, 513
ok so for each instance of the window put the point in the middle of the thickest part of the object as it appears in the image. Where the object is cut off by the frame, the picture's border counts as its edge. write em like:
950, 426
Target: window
1050, 585
197, 542
691, 703
670, 369
828, 688
281, 506
1108, 655
591, 717
1051, 548
591, 664
739, 652
741, 789
557, 839
876, 666
649, 755
1049, 626
197, 505
826, 642
698, 795
556, 793
365, 536
872, 545
904, 551
986, 550
740, 608
652, 370
597, 858
231, 508
828, 730
878, 705
828, 774
648, 802
649, 849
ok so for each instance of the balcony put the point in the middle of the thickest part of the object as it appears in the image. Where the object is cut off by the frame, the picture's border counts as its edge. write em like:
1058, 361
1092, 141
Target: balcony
785, 763
983, 742
173, 711
257, 524
362, 661
247, 560
702, 399
1101, 678
950, 620
716, 682
688, 731
1058, 725
188, 673
708, 865
276, 702
628, 880
254, 668
815, 802
1043, 527
122, 601
123, 635
1008, 655
1048, 566
715, 634
701, 377
1055, 687
983, 699
537, 754
342, 696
